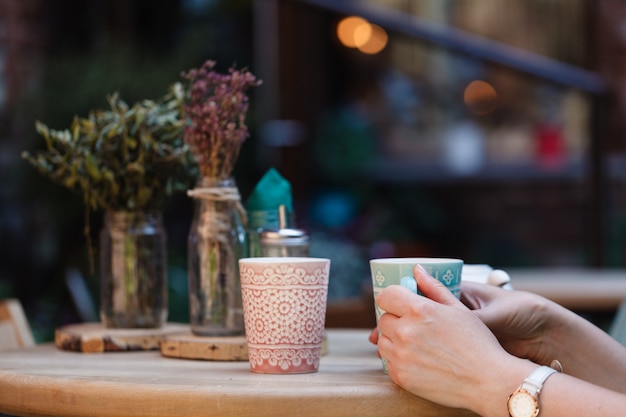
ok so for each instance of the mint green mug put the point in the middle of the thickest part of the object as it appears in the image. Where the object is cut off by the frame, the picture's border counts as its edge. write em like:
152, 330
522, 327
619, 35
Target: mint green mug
399, 271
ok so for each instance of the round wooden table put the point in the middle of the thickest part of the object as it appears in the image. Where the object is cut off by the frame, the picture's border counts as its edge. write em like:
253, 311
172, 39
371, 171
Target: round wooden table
45, 381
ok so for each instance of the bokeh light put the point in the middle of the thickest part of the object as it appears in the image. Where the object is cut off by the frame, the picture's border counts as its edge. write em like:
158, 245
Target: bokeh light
480, 97
346, 29
356, 32
362, 34
376, 41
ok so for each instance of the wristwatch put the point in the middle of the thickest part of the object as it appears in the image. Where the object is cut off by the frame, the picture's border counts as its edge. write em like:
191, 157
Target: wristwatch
524, 402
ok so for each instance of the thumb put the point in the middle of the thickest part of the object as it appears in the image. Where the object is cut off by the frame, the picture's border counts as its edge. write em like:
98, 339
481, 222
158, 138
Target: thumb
432, 288
477, 295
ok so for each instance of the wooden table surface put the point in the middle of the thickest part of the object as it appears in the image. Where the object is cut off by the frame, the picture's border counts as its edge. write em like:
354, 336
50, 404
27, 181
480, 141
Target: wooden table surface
574, 288
46, 381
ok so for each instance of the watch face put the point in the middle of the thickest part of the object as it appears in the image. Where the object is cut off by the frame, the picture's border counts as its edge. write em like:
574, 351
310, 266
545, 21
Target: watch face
523, 404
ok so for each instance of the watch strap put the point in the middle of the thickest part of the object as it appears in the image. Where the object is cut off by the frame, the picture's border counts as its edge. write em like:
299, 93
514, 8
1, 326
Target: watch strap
534, 382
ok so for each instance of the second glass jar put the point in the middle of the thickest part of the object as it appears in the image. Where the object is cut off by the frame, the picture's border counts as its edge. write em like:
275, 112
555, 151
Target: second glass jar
217, 240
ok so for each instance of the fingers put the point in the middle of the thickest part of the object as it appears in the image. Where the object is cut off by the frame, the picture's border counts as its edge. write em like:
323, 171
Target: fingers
476, 295
487, 302
373, 337
432, 288
396, 300
387, 323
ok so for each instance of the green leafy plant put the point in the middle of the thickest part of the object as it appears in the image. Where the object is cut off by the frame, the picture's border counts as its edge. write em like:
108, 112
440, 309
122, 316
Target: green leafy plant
128, 158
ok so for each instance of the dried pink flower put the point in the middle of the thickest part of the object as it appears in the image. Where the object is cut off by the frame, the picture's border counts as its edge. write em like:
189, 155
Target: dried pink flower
215, 110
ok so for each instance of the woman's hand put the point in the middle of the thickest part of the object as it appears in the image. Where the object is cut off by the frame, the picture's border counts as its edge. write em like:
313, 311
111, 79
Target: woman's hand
518, 319
436, 348
531, 327
521, 321
439, 349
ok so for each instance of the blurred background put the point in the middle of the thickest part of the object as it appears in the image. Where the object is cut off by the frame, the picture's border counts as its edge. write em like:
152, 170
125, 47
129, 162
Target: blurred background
486, 130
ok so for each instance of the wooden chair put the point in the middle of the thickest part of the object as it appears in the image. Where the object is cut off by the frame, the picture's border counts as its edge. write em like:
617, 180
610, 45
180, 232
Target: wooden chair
15, 332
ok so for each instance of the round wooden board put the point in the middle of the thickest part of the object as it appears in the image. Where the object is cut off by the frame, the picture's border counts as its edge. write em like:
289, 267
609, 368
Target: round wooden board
218, 348
94, 337
186, 345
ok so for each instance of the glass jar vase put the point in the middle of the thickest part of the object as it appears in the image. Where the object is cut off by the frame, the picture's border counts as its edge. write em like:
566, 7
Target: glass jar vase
217, 240
133, 270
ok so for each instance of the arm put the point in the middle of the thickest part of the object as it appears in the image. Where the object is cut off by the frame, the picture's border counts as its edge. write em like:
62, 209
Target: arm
565, 395
438, 349
562, 395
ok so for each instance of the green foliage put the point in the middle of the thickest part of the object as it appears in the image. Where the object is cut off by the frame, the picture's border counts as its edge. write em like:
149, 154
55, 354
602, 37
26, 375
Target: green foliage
125, 158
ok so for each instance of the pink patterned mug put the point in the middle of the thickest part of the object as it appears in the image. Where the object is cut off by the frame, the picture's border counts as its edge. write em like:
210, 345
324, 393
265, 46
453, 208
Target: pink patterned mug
284, 308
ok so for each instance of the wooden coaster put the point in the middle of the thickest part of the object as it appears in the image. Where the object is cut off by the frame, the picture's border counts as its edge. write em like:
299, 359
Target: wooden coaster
94, 337
215, 348
218, 348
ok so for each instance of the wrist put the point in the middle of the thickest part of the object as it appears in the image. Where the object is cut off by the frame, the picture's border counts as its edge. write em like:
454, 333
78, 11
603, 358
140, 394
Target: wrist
502, 380
524, 401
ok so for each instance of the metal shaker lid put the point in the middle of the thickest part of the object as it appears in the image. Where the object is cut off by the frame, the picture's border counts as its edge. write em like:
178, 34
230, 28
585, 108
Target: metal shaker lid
284, 236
